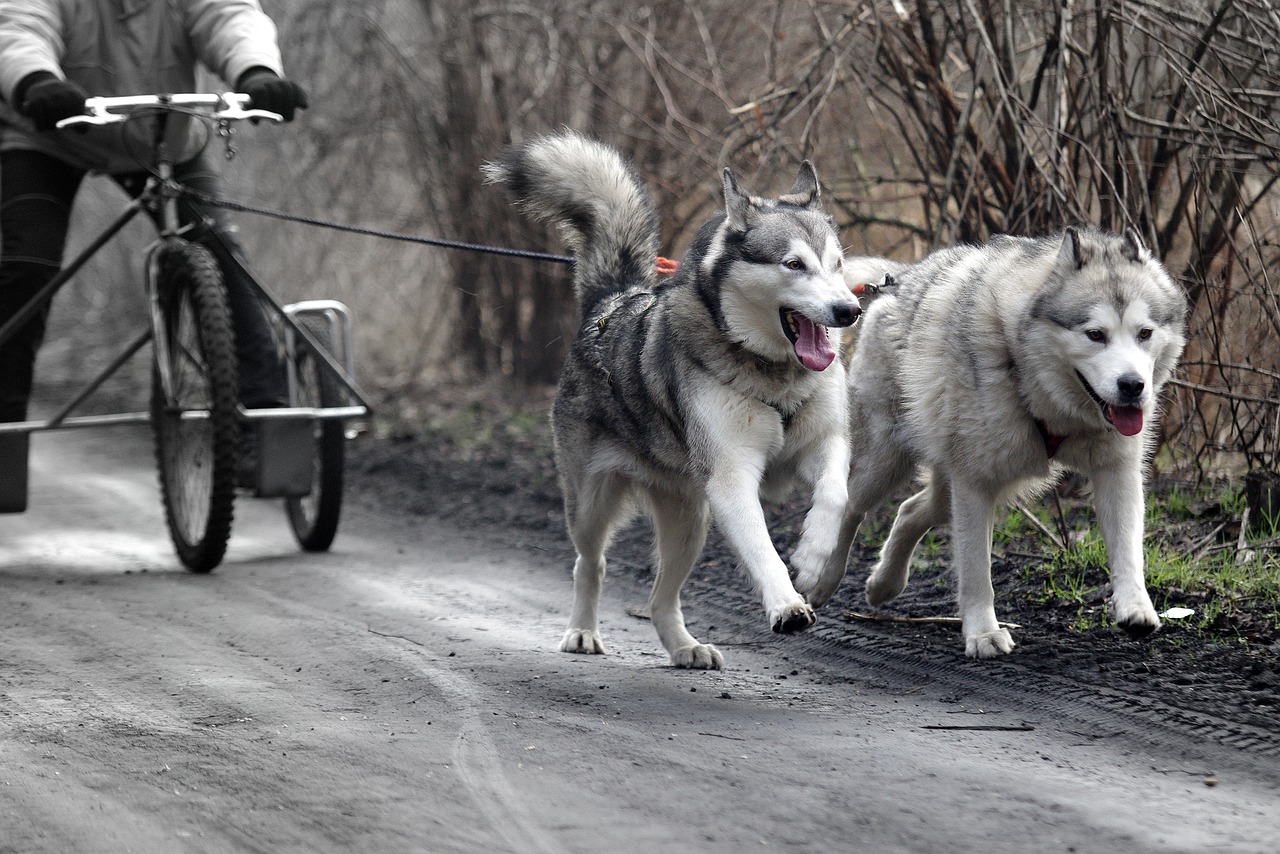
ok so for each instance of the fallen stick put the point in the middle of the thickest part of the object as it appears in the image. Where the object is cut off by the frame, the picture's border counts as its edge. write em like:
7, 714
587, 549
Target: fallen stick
981, 727
894, 618
1040, 526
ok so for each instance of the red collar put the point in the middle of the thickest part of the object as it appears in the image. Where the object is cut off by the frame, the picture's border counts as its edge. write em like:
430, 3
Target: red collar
1051, 440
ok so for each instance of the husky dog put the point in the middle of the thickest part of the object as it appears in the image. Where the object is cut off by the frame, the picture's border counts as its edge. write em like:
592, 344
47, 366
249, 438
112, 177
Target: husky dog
685, 398
995, 368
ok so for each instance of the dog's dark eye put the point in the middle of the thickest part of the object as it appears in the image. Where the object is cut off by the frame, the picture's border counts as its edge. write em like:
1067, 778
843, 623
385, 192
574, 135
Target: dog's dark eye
793, 264
1095, 335
1144, 334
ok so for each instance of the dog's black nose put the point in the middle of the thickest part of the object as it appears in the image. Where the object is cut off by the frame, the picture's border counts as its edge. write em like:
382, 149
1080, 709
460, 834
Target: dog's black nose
845, 313
1130, 387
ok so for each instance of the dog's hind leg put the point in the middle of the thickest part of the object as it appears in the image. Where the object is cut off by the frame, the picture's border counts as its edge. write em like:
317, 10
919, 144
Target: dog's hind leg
919, 513
592, 512
680, 531
1117, 501
972, 520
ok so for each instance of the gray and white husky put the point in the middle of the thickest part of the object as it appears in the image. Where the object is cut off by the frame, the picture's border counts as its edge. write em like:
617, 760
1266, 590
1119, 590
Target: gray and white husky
685, 398
995, 368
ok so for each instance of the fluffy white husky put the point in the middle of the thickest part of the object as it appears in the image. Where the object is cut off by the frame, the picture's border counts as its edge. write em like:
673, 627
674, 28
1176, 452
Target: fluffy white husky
995, 368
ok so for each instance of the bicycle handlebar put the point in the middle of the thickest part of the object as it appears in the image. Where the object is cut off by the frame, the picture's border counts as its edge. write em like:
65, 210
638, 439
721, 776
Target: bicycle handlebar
230, 106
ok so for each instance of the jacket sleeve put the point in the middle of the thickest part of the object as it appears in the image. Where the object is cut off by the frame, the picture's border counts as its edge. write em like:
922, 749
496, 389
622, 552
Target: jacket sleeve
232, 36
30, 41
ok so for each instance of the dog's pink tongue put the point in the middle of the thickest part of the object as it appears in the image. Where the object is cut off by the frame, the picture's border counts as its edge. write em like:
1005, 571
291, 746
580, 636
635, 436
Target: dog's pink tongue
1126, 419
812, 346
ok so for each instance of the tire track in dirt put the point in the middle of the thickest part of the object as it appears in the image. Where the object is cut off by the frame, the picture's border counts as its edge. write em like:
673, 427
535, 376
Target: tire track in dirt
931, 659
1176, 685
1147, 718
885, 654
403, 693
479, 764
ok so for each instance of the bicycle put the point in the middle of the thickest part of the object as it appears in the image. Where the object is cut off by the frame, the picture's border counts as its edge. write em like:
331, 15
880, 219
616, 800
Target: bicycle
195, 416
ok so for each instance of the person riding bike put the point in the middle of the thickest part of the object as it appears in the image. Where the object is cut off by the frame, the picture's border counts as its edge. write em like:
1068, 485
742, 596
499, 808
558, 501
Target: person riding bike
54, 54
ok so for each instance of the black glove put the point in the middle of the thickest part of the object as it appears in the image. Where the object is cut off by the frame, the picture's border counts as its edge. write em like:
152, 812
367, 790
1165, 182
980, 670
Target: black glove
46, 100
268, 91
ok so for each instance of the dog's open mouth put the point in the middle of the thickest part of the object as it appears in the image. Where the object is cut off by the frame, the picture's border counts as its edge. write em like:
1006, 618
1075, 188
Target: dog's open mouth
809, 339
1126, 419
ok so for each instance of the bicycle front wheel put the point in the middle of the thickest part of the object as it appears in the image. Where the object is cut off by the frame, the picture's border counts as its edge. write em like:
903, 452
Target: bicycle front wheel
195, 422
314, 517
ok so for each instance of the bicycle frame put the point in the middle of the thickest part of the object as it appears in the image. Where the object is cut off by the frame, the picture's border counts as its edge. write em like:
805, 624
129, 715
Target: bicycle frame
162, 193
160, 197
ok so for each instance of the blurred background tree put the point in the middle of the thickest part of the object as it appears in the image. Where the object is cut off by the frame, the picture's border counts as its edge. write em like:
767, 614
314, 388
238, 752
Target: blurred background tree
930, 122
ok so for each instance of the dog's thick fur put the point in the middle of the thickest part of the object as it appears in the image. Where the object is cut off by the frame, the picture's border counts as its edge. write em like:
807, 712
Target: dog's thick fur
995, 368
685, 398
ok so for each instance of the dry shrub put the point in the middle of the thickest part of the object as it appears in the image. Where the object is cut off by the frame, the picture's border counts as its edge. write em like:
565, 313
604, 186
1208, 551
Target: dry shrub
930, 122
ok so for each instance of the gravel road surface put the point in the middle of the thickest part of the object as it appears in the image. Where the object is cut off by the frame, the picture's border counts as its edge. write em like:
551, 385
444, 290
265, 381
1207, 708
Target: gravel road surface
402, 693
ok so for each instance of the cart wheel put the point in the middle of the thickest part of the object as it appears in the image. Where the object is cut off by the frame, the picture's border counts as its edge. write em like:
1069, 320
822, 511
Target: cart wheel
195, 454
314, 517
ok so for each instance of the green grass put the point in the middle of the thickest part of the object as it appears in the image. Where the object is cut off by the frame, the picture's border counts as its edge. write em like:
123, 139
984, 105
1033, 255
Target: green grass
1013, 526
1225, 587
1218, 586
1074, 577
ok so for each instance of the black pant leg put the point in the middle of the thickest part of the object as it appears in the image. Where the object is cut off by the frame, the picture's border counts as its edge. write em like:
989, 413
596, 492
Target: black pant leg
36, 193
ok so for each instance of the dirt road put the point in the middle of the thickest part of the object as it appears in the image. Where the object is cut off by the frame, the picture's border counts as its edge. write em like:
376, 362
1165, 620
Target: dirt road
402, 694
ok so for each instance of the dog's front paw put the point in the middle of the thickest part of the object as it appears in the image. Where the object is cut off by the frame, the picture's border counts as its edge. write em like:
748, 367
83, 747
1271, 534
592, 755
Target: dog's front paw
817, 578
584, 641
700, 656
1136, 619
792, 619
989, 644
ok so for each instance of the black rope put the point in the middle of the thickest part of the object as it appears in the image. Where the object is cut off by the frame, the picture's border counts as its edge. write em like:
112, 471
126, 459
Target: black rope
374, 232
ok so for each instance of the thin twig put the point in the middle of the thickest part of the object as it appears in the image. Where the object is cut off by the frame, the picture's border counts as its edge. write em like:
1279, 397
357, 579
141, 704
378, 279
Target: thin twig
1225, 393
981, 727
1201, 547
1040, 526
394, 637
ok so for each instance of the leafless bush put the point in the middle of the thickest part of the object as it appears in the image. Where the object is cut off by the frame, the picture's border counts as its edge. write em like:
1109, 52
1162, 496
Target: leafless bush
1023, 118
931, 122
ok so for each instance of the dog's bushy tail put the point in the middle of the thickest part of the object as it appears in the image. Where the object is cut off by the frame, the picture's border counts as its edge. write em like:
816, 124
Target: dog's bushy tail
594, 196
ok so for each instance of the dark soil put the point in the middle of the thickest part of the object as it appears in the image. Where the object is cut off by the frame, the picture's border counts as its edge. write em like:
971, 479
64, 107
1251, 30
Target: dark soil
495, 472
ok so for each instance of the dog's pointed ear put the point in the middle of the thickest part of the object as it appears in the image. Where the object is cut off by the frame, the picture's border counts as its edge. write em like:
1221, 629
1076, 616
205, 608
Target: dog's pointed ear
806, 192
1070, 257
737, 204
1135, 248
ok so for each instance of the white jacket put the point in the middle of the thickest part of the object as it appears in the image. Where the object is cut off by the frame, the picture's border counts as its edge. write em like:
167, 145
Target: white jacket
125, 47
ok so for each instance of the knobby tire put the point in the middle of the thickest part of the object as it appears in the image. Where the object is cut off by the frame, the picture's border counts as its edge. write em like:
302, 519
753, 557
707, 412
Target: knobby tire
196, 457
314, 517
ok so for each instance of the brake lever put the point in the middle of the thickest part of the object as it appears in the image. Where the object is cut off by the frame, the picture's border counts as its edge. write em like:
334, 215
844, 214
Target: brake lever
235, 112
84, 122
